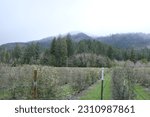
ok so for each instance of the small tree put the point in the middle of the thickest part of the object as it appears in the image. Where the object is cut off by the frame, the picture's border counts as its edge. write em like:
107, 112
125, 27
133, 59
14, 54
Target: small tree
123, 84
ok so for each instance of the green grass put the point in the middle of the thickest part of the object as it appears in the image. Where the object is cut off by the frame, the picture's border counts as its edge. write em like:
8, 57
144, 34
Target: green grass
4, 95
94, 92
141, 93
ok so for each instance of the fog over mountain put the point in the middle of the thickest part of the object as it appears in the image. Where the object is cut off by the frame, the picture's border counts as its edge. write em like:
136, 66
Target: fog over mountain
127, 40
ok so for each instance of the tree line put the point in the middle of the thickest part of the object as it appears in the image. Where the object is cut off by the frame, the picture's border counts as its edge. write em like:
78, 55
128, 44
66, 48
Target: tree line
63, 51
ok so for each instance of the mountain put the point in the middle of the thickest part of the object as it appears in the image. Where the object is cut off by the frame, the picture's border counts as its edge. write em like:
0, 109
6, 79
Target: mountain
127, 40
80, 36
45, 42
10, 46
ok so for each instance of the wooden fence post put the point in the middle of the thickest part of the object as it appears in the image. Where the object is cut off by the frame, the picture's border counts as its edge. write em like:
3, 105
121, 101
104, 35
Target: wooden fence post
34, 95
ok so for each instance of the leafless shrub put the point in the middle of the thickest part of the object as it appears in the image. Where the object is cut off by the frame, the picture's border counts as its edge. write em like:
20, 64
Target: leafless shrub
89, 60
16, 82
83, 77
123, 83
142, 76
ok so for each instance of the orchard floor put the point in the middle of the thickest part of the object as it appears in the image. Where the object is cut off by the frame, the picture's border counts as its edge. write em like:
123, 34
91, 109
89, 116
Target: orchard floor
94, 91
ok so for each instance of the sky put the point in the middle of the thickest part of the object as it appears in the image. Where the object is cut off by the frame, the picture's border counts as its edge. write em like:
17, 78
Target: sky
26, 20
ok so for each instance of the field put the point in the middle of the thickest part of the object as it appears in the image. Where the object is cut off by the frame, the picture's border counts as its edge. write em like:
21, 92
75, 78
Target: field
52, 82
73, 83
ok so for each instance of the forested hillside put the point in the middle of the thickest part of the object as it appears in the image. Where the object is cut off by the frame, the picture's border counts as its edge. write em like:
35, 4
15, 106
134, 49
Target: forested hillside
127, 40
64, 51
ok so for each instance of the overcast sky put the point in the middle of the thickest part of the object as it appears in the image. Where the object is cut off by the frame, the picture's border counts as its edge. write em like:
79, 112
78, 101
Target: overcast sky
25, 20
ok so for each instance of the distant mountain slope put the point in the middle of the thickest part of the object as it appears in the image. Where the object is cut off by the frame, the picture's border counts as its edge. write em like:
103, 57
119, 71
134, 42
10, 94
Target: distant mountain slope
10, 46
80, 36
128, 40
45, 42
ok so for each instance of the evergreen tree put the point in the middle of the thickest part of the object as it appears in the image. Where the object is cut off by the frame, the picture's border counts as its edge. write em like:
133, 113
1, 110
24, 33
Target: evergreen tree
2, 55
70, 45
53, 53
133, 56
16, 54
53, 47
36, 51
7, 56
61, 52
110, 52
46, 57
82, 47
27, 55
125, 55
